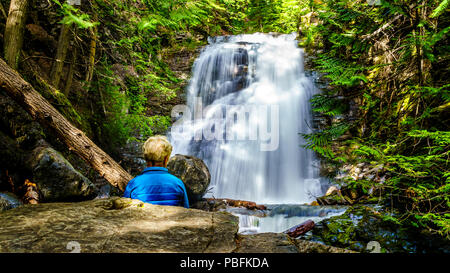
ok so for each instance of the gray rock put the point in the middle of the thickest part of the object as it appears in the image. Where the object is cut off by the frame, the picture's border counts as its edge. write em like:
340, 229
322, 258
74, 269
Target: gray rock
265, 243
56, 178
115, 225
9, 201
193, 172
305, 246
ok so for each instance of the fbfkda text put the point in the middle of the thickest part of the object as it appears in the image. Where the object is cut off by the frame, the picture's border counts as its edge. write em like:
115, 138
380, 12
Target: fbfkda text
225, 262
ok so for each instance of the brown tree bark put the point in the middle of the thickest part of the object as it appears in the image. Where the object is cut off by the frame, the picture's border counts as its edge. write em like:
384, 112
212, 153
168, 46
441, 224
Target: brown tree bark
61, 53
92, 51
3, 12
70, 73
301, 229
25, 95
14, 31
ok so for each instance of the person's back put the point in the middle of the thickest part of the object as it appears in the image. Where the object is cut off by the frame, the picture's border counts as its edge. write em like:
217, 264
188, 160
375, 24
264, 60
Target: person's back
155, 184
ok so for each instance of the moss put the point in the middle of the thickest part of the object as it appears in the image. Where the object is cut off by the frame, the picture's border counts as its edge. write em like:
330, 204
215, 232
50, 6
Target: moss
355, 228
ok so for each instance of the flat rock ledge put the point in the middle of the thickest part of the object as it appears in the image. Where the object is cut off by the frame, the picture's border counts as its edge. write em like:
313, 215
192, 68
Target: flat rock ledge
131, 226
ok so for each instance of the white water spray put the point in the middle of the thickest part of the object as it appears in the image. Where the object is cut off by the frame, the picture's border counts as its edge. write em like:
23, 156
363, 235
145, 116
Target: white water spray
252, 70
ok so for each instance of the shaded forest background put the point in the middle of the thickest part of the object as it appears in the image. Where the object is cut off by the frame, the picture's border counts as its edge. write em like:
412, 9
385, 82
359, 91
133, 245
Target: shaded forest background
116, 68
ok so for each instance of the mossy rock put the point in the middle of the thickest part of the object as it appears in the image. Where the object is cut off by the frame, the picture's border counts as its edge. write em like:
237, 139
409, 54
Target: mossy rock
56, 178
360, 225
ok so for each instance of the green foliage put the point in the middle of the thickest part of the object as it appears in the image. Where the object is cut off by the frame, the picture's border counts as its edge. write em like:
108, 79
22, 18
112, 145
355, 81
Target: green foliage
126, 117
440, 9
392, 60
321, 141
327, 105
73, 15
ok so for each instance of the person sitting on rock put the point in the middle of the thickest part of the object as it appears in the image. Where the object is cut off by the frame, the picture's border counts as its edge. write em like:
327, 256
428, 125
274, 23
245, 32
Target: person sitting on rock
155, 184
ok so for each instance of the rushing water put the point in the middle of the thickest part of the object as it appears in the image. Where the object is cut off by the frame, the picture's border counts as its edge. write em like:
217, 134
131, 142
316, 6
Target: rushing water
279, 218
257, 155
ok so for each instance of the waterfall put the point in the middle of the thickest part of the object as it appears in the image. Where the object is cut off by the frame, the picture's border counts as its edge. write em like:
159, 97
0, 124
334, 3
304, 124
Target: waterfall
247, 102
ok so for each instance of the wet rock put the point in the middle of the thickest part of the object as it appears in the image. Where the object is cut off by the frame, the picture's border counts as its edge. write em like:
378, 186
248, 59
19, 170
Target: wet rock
56, 178
116, 225
193, 172
9, 201
281, 243
360, 225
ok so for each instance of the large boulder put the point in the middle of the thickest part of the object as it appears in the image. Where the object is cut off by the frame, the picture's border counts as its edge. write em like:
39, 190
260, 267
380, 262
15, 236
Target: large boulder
193, 172
115, 225
56, 178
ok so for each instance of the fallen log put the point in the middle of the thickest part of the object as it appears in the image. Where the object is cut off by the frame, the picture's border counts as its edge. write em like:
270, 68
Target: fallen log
238, 203
42, 111
301, 229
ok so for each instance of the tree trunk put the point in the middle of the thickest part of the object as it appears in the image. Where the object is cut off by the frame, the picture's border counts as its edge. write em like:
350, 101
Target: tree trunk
92, 50
14, 31
3, 12
70, 73
24, 94
61, 53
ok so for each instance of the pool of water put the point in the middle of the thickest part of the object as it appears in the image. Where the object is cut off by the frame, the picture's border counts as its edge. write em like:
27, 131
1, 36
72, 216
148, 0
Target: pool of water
279, 218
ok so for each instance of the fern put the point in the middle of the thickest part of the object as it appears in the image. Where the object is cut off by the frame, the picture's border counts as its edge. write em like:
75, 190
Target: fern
320, 142
440, 9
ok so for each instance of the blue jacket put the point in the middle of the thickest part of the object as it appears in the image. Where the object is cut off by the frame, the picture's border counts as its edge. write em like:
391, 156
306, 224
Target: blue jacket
157, 186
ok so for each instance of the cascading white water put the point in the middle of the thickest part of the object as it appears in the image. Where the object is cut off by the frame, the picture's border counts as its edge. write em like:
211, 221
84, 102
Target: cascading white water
263, 74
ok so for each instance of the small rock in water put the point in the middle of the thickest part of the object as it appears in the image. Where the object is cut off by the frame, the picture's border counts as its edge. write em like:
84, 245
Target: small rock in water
9, 201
